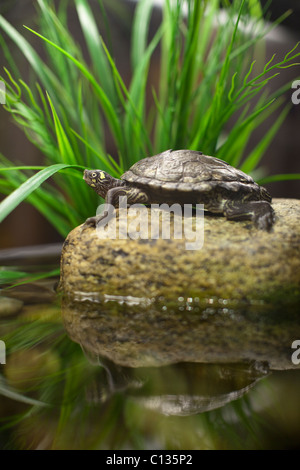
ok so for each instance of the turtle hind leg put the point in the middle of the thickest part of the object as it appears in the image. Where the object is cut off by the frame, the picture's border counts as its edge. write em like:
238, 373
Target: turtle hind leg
260, 212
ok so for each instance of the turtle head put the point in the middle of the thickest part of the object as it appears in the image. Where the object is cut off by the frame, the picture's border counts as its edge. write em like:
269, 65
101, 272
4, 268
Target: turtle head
99, 180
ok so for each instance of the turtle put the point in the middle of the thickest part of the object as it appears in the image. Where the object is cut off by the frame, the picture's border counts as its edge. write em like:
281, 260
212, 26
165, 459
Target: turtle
187, 177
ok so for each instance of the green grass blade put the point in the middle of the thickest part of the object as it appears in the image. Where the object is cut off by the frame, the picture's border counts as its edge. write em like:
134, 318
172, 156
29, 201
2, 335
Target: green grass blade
119, 169
130, 107
169, 75
255, 8
187, 75
140, 30
22, 167
93, 41
64, 146
54, 30
255, 156
107, 106
68, 156
8, 55
50, 202
103, 159
232, 149
32, 277
134, 122
280, 177
7, 276
40, 68
15, 198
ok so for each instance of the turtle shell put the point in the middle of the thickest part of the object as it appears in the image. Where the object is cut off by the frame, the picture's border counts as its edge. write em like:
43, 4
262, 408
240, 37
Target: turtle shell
184, 170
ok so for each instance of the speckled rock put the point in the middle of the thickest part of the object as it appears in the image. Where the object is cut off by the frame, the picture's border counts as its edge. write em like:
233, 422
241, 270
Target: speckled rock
237, 261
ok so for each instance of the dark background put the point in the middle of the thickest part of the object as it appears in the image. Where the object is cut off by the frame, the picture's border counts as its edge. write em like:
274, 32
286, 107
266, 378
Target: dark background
25, 226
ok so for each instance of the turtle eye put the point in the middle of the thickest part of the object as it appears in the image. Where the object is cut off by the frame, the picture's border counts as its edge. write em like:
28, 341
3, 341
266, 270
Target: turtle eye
94, 174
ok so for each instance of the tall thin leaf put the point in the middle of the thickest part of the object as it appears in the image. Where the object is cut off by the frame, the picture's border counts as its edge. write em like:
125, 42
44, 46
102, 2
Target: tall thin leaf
15, 198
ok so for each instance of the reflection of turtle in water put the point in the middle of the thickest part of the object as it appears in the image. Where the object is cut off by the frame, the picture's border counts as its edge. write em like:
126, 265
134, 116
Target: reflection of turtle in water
187, 177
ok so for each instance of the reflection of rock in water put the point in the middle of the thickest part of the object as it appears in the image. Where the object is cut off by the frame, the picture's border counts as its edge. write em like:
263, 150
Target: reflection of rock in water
216, 331
178, 389
179, 358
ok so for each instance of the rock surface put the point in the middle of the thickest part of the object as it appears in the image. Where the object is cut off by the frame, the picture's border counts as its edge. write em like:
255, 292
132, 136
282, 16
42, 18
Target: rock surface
237, 261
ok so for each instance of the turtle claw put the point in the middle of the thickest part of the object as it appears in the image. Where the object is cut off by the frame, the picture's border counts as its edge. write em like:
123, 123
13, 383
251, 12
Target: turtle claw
90, 222
93, 221
265, 217
260, 212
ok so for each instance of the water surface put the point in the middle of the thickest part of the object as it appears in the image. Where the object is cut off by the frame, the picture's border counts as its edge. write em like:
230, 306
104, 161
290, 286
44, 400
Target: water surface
130, 373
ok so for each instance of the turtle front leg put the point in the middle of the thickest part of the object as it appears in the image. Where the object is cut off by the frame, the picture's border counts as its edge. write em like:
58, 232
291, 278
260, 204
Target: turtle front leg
133, 195
260, 212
